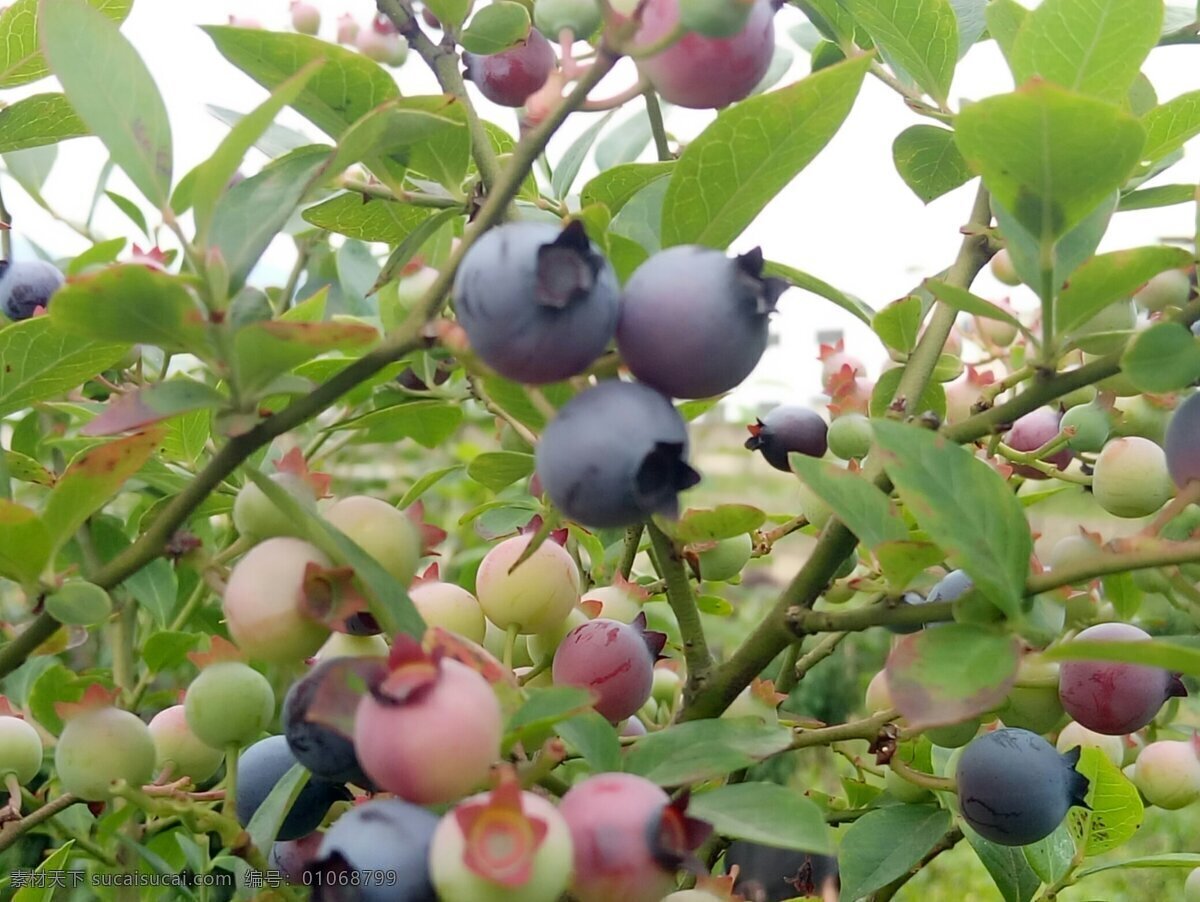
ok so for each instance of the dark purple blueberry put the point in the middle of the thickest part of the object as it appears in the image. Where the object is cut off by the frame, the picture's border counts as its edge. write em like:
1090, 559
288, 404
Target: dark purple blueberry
386, 844
694, 322
1014, 787
324, 751
785, 430
510, 76
411, 380
615, 454
264, 764
539, 304
27, 285
1182, 442
773, 875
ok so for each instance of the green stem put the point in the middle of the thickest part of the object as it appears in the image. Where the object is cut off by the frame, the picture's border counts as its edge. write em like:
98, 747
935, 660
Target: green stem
818, 653
444, 63
5, 233
683, 604
658, 127
804, 621
633, 540
229, 804
510, 644
866, 729
1155, 553
920, 778
786, 681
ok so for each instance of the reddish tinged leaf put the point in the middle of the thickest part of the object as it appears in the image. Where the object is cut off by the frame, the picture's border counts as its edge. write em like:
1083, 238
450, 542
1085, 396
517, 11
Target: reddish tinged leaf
151, 259
145, 406
412, 672
93, 478
294, 463
655, 641
431, 535
592, 608
220, 649
947, 674
764, 691
7, 710
432, 574
94, 698
501, 840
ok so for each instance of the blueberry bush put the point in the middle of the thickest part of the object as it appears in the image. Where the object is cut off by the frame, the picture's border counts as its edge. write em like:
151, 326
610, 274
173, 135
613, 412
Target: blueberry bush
402, 576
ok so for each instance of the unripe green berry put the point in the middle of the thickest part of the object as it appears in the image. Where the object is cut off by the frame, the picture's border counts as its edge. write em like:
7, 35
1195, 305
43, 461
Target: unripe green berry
850, 436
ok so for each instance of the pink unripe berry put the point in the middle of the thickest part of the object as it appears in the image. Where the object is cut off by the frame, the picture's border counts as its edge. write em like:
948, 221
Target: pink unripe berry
179, 749
430, 731
306, 18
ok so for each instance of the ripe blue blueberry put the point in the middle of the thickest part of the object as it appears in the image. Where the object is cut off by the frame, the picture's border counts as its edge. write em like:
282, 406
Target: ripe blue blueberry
1182, 443
953, 586
263, 765
538, 304
785, 430
375, 841
615, 454
324, 751
1014, 787
27, 285
694, 322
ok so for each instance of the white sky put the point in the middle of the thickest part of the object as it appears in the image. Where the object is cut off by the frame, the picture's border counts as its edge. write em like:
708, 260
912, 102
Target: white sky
848, 218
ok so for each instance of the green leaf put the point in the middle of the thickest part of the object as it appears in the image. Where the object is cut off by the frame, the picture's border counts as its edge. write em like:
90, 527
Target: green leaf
25, 544
132, 304
1005, 18
56, 684
79, 41
251, 213
543, 709
1165, 860
1067, 253
854, 499
929, 161
884, 393
704, 749
368, 218
130, 209
26, 469
41, 889
499, 469
964, 505
951, 673
899, 323
1009, 869
495, 27
965, 301
594, 738
972, 22
1049, 156
921, 36
275, 141
572, 159
751, 152
723, 522
1154, 653
425, 483
40, 361
386, 598
38, 120
346, 88
1163, 358
97, 255
1160, 196
157, 401
268, 817
885, 844
1094, 47
1107, 278
1115, 810
1051, 858
398, 126
451, 12
614, 187
767, 813
21, 58
268, 349
625, 143
166, 650
428, 423
813, 285
1170, 126
213, 175
80, 603
92, 479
